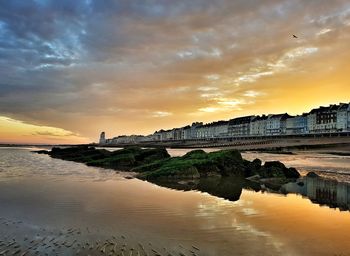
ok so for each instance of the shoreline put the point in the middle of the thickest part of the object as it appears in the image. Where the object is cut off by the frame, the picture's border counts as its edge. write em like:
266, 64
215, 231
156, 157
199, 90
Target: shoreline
278, 208
333, 144
320, 144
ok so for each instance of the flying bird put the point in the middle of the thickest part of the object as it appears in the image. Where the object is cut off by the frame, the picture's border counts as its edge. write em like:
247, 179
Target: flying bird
295, 36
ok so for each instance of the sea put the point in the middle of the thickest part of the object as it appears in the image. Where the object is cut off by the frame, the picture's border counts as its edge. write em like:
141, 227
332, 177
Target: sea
54, 207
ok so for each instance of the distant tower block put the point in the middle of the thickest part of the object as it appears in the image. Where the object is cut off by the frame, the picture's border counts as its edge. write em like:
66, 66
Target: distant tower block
102, 138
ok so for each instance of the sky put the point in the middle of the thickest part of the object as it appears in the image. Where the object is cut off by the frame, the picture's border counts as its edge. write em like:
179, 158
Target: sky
71, 69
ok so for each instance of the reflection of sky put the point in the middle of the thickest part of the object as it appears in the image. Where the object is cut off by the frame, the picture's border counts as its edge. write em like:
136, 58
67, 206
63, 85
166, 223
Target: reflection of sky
258, 222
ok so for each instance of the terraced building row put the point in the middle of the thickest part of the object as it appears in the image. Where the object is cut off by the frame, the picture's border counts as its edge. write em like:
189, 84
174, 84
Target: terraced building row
332, 119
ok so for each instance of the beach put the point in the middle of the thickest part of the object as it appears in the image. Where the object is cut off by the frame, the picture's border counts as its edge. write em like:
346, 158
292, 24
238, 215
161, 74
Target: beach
50, 206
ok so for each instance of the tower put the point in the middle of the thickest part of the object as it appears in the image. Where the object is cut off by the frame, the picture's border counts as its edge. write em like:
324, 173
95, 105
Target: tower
102, 138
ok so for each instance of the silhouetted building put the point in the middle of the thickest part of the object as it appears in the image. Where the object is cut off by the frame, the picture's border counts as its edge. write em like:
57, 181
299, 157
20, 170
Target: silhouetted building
102, 138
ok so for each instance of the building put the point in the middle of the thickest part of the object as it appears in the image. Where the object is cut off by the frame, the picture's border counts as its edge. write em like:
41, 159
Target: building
124, 139
102, 138
166, 135
190, 132
258, 126
212, 130
343, 117
323, 119
334, 118
297, 125
202, 132
276, 124
178, 133
240, 127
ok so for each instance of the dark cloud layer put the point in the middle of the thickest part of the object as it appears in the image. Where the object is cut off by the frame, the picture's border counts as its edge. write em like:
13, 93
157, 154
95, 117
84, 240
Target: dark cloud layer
117, 64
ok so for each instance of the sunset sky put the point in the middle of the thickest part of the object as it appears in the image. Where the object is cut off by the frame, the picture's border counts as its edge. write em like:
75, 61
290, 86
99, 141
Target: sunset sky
71, 69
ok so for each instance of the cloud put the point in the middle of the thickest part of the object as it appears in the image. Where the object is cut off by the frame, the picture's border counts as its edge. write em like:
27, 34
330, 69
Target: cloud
55, 133
161, 114
324, 31
252, 93
209, 109
88, 66
22, 132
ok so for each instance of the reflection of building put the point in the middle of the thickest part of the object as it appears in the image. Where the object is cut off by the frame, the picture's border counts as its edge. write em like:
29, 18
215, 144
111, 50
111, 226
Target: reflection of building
329, 192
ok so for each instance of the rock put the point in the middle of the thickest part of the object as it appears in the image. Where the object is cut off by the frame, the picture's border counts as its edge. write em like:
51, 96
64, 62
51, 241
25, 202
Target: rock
252, 168
156, 163
124, 159
291, 173
312, 175
278, 169
197, 154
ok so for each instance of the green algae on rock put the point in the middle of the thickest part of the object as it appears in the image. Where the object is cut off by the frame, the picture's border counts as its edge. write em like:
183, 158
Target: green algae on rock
123, 159
199, 164
156, 163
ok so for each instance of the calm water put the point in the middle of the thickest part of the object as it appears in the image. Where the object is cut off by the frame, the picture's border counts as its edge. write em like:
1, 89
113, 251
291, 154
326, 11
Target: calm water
65, 208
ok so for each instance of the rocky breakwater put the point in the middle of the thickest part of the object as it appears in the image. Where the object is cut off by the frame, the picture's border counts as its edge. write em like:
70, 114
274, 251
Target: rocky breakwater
123, 159
156, 164
224, 163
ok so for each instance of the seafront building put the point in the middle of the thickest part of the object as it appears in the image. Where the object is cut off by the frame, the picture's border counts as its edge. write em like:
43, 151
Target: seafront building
258, 126
276, 124
102, 138
240, 126
322, 120
297, 125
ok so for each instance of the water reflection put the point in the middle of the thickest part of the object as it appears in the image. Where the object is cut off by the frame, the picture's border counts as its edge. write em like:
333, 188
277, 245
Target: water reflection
227, 188
319, 190
323, 192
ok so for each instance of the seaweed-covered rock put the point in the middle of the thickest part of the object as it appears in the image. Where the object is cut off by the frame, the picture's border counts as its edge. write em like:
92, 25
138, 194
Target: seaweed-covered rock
196, 163
278, 169
124, 159
252, 168
156, 163
197, 154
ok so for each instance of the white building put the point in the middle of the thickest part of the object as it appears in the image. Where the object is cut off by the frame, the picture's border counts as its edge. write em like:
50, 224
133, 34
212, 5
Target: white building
343, 117
190, 132
258, 126
178, 133
102, 138
323, 119
296, 125
212, 130
276, 124
240, 127
203, 131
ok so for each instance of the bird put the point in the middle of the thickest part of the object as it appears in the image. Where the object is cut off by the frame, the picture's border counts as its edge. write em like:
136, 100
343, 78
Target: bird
294, 36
